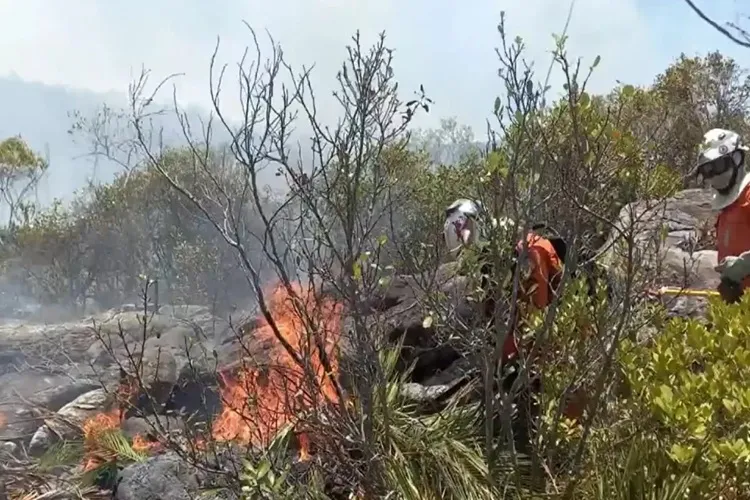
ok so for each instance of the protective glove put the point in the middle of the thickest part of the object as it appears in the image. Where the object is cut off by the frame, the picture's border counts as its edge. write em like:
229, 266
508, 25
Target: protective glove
730, 291
734, 268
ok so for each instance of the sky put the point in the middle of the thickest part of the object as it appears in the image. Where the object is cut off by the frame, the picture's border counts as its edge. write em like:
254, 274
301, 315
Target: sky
99, 46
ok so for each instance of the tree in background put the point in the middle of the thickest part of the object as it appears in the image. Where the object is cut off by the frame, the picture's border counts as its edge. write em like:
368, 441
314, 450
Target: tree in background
98, 247
449, 144
20, 172
696, 94
21, 169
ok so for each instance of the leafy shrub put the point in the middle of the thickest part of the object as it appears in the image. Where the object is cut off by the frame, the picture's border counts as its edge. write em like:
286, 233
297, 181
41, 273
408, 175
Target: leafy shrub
690, 394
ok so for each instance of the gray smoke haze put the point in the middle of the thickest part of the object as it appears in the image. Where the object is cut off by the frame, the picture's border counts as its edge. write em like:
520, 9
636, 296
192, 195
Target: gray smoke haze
76, 56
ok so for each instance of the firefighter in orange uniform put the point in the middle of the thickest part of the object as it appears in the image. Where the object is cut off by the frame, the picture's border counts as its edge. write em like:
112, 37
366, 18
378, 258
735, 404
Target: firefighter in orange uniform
463, 227
721, 162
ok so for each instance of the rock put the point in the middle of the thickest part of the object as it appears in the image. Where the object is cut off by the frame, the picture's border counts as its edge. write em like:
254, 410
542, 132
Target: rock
177, 339
56, 397
396, 313
459, 369
159, 477
66, 423
45, 367
8, 447
42, 439
149, 380
27, 395
151, 426
431, 397
674, 243
95, 338
46, 344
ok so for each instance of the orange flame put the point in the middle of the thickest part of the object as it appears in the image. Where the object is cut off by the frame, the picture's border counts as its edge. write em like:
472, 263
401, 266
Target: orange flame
259, 401
94, 427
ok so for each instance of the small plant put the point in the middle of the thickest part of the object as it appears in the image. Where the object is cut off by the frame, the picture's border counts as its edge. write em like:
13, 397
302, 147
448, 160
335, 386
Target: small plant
638, 472
268, 477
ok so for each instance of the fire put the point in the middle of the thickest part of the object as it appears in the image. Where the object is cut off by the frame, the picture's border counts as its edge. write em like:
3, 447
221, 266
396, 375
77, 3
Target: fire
93, 428
259, 401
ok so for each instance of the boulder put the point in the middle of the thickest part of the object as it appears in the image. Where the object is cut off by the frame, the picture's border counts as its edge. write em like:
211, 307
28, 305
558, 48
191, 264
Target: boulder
170, 476
67, 422
396, 314
674, 242
161, 476
29, 394
152, 427
148, 379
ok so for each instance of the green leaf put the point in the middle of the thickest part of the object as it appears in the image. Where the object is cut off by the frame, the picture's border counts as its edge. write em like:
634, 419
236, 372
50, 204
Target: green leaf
664, 400
628, 91
584, 100
682, 454
263, 469
596, 62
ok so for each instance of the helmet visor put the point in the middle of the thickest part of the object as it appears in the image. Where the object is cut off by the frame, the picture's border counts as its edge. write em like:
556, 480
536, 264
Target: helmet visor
716, 167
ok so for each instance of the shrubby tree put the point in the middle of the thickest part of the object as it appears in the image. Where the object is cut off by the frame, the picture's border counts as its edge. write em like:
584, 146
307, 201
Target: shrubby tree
696, 94
449, 144
102, 244
20, 171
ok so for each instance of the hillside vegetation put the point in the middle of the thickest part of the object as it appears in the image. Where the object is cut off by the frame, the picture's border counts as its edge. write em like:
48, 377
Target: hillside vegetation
666, 406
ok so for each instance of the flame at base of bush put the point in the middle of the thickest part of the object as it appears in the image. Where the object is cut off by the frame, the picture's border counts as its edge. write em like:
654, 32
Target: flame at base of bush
299, 374
102, 438
258, 400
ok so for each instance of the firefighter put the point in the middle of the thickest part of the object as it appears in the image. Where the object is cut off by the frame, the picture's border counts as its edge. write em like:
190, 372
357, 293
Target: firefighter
465, 223
722, 163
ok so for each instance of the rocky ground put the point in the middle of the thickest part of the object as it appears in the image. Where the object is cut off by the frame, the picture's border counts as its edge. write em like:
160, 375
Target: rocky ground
56, 377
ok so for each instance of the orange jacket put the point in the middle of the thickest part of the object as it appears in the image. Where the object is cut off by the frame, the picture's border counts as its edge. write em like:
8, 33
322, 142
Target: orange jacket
733, 229
545, 272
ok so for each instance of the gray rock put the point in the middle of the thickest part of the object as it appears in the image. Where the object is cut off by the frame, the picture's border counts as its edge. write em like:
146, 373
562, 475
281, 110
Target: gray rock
160, 477
27, 395
66, 423
8, 447
672, 243
150, 378
56, 397
424, 394
396, 313
152, 425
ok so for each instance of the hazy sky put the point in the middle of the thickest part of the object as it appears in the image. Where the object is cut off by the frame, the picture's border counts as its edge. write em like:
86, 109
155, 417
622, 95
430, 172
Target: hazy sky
448, 46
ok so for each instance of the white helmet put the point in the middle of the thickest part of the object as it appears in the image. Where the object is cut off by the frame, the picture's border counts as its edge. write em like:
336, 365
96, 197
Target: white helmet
462, 226
721, 161
466, 223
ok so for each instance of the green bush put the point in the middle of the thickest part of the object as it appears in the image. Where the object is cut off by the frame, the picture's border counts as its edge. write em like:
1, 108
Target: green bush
689, 393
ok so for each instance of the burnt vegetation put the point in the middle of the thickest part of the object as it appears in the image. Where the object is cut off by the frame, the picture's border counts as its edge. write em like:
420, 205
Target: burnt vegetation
316, 341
